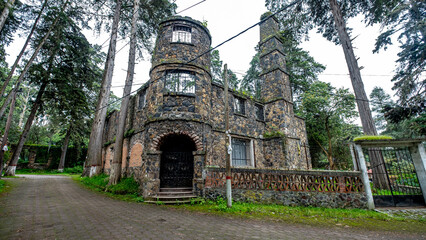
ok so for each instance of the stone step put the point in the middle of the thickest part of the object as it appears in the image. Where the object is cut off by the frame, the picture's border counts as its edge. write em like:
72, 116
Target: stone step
176, 189
175, 193
169, 202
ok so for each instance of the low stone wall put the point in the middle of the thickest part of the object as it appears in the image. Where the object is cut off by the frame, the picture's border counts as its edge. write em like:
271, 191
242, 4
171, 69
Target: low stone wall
335, 189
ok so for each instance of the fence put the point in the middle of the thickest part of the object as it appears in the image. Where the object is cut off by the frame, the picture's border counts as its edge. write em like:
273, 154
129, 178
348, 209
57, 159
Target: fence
287, 180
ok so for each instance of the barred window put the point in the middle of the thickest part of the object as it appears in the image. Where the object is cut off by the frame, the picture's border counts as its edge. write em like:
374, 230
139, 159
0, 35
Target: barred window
239, 106
181, 34
180, 82
240, 152
142, 100
259, 112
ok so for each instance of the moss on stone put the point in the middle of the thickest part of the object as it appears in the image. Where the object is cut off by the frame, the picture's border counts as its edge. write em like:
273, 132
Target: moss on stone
372, 138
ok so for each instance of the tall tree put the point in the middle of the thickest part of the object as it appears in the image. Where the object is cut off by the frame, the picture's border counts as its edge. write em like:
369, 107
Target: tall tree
64, 60
94, 152
330, 18
118, 147
407, 20
5, 12
151, 13
328, 112
379, 100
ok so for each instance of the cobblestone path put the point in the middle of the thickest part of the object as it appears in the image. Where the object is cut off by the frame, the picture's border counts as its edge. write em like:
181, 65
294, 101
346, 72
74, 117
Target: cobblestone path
54, 207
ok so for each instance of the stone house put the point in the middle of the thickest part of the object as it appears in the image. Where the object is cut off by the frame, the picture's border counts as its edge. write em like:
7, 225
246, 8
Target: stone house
176, 122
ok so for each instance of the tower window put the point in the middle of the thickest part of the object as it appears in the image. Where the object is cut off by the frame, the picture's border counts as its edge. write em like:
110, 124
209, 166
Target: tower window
181, 34
180, 82
142, 100
239, 106
259, 112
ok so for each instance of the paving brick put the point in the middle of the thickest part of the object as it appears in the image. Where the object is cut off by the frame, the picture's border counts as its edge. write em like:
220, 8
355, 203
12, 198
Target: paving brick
46, 207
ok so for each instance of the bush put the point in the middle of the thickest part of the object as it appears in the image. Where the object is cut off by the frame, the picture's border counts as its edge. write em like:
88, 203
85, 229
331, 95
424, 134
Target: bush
124, 187
74, 170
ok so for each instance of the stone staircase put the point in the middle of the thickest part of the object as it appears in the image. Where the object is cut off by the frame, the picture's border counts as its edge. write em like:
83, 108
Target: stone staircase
172, 196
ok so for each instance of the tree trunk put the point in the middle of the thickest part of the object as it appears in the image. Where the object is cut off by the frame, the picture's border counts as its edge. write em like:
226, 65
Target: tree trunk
10, 171
6, 132
330, 148
22, 115
93, 162
64, 149
358, 86
29, 63
18, 58
5, 13
118, 146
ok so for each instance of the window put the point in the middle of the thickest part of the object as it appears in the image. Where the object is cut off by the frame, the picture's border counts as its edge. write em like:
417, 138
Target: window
259, 112
142, 100
239, 106
181, 34
180, 82
241, 152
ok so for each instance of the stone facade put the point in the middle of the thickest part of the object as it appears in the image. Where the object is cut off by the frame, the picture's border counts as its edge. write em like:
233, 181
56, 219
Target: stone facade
191, 111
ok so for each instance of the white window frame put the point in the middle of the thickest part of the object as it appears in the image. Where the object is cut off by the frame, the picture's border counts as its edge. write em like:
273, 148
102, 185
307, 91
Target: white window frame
182, 34
250, 152
239, 105
178, 81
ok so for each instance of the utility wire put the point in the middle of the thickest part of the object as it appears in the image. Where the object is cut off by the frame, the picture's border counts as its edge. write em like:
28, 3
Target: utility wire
211, 49
191, 6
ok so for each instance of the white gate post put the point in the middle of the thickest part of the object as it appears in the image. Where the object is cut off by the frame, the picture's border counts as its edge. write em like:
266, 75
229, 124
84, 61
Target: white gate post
364, 177
419, 159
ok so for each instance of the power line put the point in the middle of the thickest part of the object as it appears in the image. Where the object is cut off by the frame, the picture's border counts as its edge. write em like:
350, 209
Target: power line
191, 6
211, 49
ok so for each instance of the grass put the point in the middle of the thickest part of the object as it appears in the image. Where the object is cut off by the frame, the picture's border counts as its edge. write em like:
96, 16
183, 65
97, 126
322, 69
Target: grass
67, 171
5, 186
126, 189
325, 217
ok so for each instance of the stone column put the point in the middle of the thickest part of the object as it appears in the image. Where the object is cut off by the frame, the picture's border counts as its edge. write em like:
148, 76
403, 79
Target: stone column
198, 182
419, 159
31, 158
151, 179
364, 176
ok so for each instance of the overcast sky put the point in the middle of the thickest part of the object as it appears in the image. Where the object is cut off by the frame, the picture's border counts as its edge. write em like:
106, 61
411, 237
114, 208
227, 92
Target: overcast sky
225, 18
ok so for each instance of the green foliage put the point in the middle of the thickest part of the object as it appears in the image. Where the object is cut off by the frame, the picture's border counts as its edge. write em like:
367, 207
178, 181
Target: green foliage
372, 138
407, 19
74, 170
129, 133
126, 186
67, 171
2, 185
328, 114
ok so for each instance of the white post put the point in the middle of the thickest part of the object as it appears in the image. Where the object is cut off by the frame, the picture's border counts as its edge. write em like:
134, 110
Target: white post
354, 161
364, 177
419, 159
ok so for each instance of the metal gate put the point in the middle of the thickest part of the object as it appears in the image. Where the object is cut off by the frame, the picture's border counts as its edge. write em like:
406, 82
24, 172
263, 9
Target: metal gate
176, 169
393, 177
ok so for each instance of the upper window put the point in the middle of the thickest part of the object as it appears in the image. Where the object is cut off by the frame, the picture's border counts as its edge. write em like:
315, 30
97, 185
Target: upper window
181, 34
239, 106
180, 82
240, 152
259, 112
142, 99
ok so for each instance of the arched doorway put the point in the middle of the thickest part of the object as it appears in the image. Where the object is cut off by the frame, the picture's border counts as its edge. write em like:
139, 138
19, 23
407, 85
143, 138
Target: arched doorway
177, 161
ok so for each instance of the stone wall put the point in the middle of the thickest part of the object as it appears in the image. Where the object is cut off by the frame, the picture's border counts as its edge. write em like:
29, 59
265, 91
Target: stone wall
289, 198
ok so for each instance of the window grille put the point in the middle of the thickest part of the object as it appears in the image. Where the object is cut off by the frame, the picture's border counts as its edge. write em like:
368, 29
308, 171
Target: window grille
240, 152
259, 112
180, 82
239, 106
142, 100
181, 34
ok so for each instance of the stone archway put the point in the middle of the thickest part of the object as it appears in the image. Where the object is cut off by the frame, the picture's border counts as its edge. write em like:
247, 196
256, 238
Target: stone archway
177, 160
